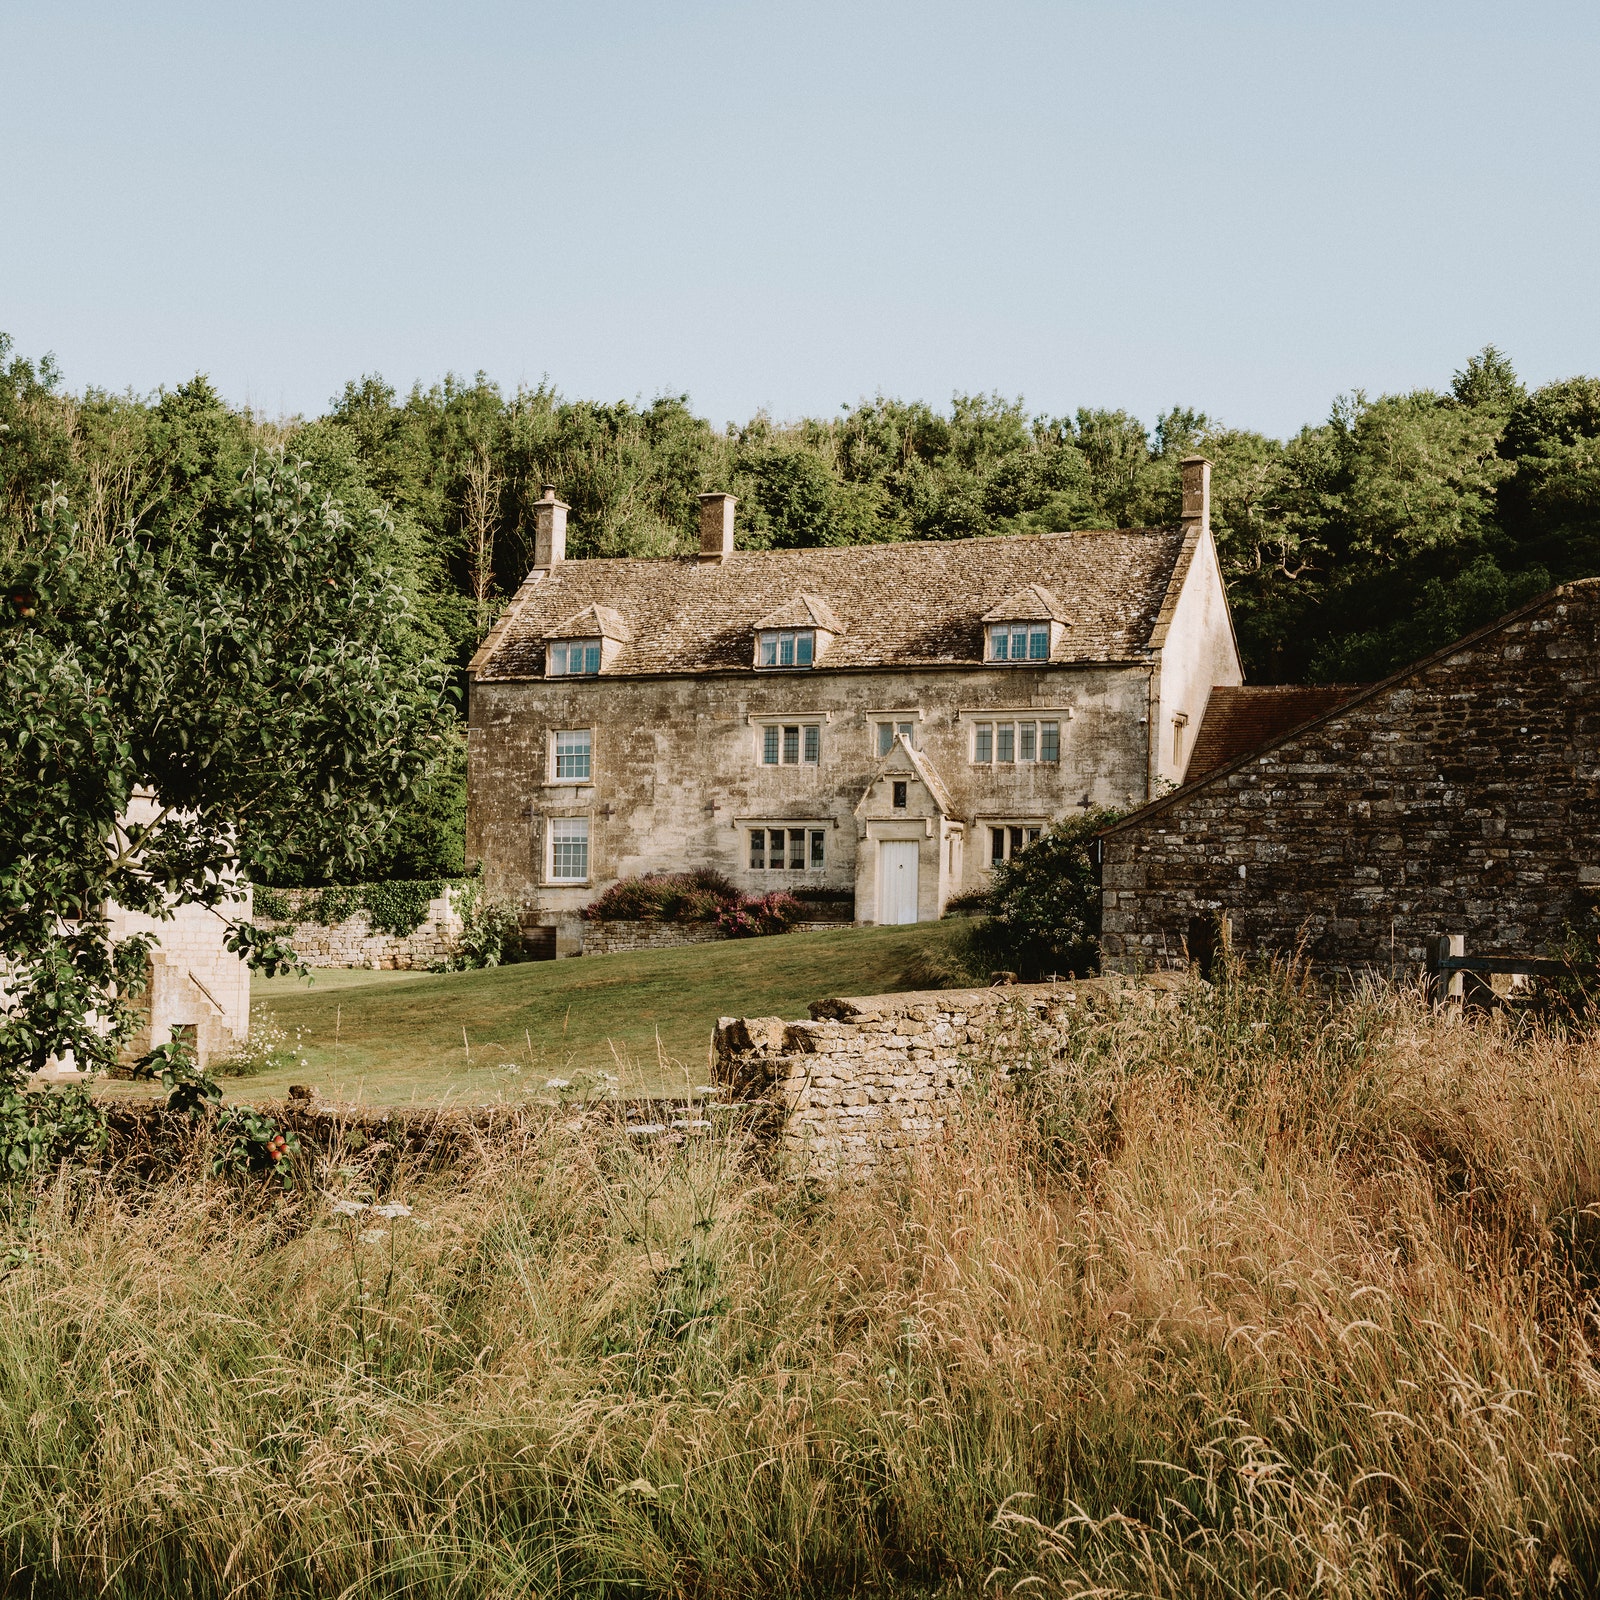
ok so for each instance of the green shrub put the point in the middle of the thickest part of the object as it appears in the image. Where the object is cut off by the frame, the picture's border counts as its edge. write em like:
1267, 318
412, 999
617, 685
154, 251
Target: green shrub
1044, 905
491, 931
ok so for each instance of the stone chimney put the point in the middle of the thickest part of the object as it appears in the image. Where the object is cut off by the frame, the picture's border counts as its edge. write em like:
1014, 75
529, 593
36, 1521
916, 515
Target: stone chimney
549, 529
716, 526
1196, 515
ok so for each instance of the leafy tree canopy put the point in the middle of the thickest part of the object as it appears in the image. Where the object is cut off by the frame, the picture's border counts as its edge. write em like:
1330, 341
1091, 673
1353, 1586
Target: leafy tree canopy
1365, 539
178, 702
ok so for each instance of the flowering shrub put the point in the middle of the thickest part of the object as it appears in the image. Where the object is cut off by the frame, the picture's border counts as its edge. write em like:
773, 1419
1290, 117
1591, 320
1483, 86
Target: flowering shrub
753, 916
267, 1049
698, 896
703, 895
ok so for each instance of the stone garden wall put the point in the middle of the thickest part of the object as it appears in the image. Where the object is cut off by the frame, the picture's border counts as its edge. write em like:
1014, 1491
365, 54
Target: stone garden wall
866, 1080
610, 938
353, 943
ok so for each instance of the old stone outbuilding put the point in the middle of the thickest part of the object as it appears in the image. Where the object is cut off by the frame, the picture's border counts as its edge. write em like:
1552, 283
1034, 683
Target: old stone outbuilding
199, 989
1460, 796
885, 722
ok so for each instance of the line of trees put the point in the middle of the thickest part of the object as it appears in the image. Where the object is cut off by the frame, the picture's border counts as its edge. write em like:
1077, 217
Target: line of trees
1365, 540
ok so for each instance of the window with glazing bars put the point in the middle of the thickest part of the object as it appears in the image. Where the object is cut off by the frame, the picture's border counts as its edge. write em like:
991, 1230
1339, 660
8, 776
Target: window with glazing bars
1005, 743
1019, 641
788, 849
792, 745
1004, 843
887, 732
571, 658
572, 755
569, 848
795, 648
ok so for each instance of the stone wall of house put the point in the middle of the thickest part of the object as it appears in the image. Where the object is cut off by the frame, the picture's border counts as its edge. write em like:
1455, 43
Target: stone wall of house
1460, 797
197, 987
678, 780
353, 943
868, 1079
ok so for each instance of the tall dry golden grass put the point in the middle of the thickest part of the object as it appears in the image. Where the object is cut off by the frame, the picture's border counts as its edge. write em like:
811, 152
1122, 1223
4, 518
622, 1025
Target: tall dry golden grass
1249, 1293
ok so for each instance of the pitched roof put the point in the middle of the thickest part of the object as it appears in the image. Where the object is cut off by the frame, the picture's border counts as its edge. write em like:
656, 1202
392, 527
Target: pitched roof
1031, 603
903, 758
910, 604
804, 611
592, 620
1239, 720
1355, 697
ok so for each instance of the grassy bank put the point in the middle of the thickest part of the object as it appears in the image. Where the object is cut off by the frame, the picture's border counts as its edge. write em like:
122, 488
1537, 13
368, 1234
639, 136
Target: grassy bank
647, 1016
1243, 1295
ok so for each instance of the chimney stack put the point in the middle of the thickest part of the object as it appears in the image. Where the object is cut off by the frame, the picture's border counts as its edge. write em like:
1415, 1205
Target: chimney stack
1196, 515
549, 529
716, 526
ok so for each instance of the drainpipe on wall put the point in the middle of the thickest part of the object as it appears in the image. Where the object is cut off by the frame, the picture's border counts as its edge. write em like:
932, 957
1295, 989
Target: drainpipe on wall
1152, 748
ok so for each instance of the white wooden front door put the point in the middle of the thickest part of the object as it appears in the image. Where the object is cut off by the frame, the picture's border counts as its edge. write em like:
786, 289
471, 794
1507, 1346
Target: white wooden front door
897, 880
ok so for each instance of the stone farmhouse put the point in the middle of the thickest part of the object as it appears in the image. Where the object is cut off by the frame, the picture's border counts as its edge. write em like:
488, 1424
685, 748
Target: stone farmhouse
1460, 796
885, 722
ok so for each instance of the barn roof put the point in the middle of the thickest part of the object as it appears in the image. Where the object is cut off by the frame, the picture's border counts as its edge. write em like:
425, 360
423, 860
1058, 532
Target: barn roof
1239, 720
898, 605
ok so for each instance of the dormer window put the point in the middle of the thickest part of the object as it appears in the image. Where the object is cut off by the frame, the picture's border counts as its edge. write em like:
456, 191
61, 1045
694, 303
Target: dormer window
1025, 626
797, 634
1019, 641
586, 643
574, 658
788, 647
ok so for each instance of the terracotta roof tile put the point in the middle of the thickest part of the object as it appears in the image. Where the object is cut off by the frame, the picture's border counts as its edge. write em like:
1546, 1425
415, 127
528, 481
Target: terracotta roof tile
910, 604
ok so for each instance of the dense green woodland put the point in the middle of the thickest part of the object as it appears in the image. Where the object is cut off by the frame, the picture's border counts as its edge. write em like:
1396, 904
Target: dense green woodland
1360, 543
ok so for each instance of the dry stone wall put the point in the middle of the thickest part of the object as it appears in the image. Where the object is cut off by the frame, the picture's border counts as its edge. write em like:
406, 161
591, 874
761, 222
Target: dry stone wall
868, 1079
1460, 797
612, 938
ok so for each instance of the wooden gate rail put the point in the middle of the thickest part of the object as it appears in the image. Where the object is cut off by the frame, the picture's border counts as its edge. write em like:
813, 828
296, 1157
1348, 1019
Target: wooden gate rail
1446, 956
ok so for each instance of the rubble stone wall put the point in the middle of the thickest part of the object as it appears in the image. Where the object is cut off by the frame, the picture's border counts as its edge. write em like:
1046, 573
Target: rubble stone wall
868, 1079
352, 943
610, 938
1460, 797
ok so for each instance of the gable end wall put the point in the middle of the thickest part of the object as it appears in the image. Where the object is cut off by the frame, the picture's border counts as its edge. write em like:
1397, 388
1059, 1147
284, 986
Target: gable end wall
1462, 797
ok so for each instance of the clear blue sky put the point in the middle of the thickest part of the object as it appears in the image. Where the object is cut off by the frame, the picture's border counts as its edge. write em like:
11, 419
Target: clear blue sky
1246, 208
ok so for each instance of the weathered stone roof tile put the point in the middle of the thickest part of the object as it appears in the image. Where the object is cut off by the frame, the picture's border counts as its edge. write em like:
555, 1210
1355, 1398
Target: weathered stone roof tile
911, 604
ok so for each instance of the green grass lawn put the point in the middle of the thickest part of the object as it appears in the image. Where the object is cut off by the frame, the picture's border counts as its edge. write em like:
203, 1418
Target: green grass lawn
467, 1037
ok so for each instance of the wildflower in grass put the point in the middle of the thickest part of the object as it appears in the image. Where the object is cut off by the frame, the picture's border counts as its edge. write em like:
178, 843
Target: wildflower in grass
373, 1235
558, 1083
347, 1208
392, 1209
